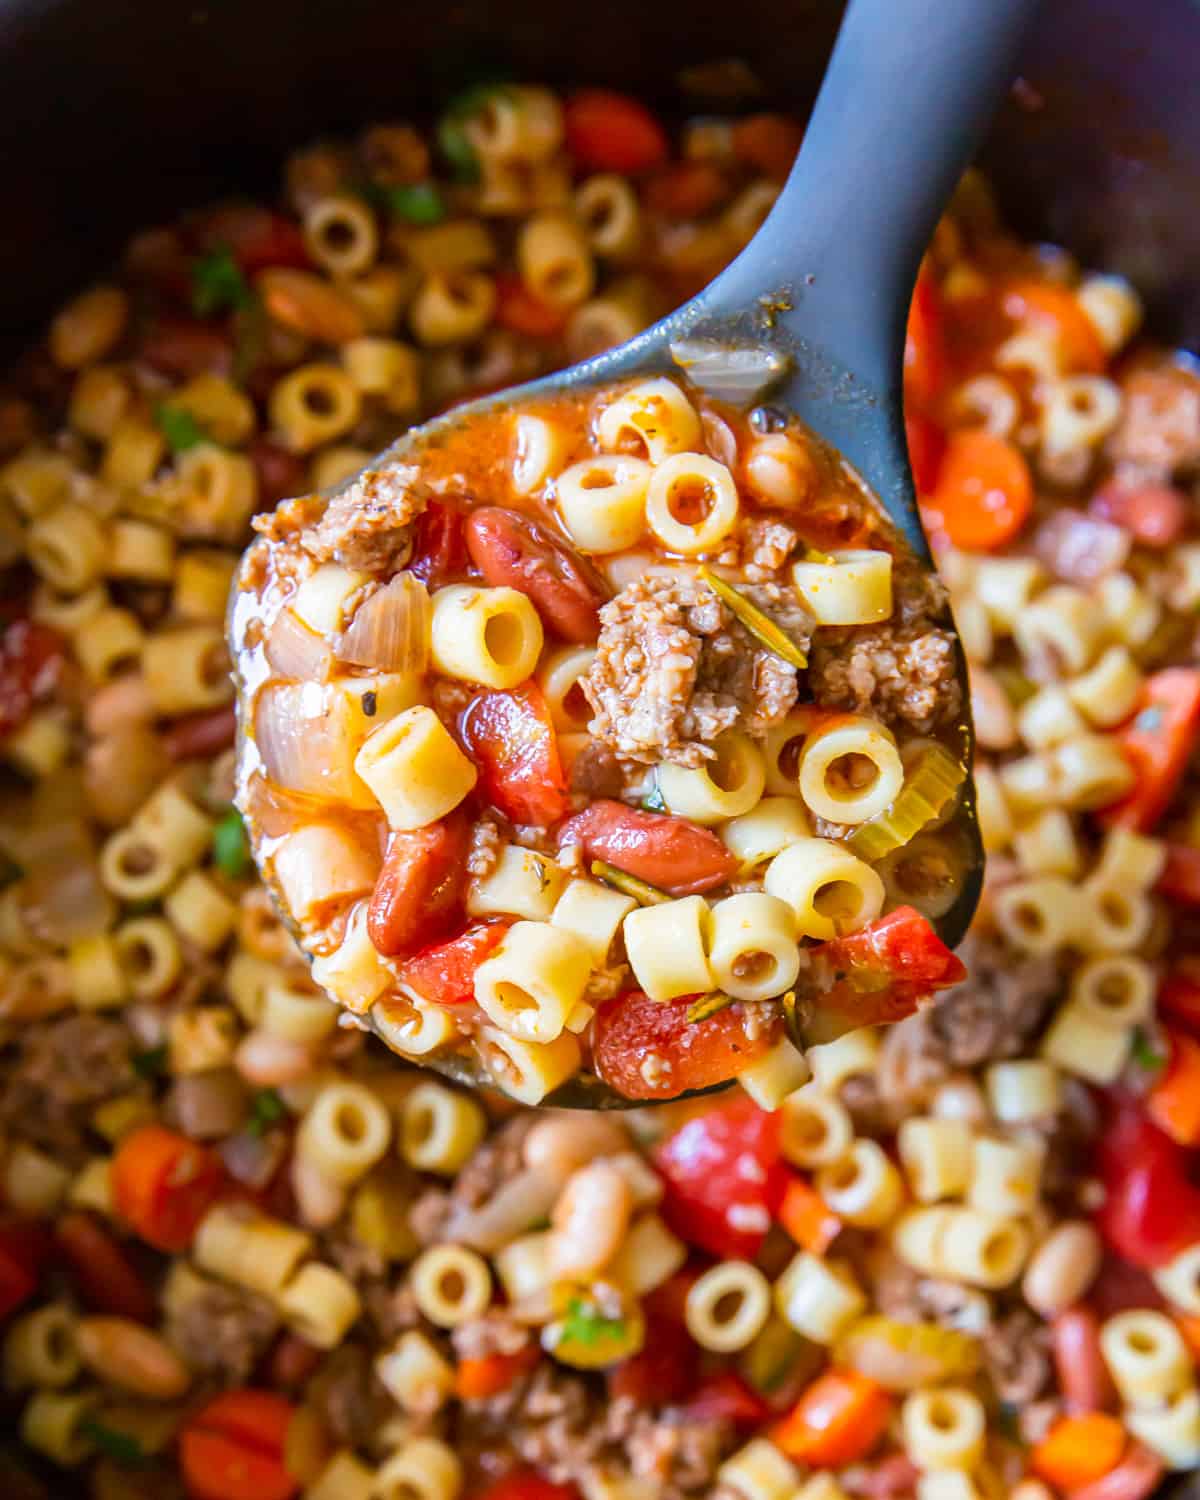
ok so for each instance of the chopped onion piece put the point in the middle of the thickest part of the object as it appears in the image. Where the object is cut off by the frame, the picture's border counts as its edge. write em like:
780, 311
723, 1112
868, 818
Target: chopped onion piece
727, 371
907, 1356
64, 900
306, 736
296, 651
390, 629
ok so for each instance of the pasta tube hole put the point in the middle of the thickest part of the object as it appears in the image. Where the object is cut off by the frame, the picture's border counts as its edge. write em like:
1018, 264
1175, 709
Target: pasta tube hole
691, 499
504, 639
838, 900
850, 774
349, 1123
755, 965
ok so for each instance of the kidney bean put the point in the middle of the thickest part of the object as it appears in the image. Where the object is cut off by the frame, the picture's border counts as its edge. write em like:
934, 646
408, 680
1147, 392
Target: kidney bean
186, 346
439, 549
418, 895
668, 852
202, 734
513, 551
1155, 514
1082, 1374
123, 1353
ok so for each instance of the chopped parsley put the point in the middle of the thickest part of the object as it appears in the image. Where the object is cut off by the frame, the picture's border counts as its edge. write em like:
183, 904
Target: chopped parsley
266, 1109
1144, 1052
653, 800
451, 132
585, 1324
121, 1447
218, 284
179, 427
415, 203
151, 1063
231, 848
370, 703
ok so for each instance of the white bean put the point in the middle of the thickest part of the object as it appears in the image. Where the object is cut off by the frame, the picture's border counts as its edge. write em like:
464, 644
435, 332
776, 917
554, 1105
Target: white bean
269, 1061
126, 1354
1062, 1268
319, 1202
559, 1143
588, 1221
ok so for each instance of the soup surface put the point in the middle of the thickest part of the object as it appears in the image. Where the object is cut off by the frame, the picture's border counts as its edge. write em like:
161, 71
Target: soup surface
245, 1251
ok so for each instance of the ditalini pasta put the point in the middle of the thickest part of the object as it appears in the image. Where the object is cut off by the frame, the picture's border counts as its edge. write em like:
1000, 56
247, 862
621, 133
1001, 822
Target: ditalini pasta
560, 807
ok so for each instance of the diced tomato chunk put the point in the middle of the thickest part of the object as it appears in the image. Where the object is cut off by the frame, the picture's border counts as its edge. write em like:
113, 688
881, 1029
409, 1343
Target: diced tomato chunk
511, 737
725, 1397
1180, 878
1173, 1102
524, 312
662, 1370
650, 1050
256, 237
610, 132
1179, 993
24, 1247
1157, 741
1151, 1209
526, 1484
882, 972
723, 1177
163, 1184
31, 657
445, 973
926, 444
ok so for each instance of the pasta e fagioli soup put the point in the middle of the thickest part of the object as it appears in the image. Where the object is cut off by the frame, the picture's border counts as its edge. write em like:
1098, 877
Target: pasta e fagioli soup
592, 735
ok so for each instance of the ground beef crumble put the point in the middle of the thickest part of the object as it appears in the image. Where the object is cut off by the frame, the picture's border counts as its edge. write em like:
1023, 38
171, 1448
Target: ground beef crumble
222, 1332
673, 669
906, 672
1016, 1354
62, 1069
367, 525
1158, 433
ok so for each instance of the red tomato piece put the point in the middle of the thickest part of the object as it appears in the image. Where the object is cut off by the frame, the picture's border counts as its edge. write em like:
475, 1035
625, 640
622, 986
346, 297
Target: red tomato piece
767, 142
1083, 1376
926, 444
723, 1177
1158, 742
163, 1184
526, 1484
23, 1250
1180, 879
1154, 514
107, 1281
31, 658
512, 551
511, 738
445, 972
686, 190
523, 311
668, 852
725, 1397
838, 1420
631, 1029
256, 237
477, 1379
610, 132
882, 972
1179, 993
183, 347
419, 892
232, 1449
439, 547
661, 1371
924, 343
1151, 1209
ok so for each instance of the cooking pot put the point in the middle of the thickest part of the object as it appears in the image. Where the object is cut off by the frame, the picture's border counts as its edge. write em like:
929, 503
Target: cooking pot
117, 113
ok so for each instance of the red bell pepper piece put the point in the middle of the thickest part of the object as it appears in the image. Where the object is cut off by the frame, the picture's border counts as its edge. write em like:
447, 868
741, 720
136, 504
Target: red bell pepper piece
1157, 742
724, 1178
511, 738
445, 972
882, 972
1173, 1102
610, 132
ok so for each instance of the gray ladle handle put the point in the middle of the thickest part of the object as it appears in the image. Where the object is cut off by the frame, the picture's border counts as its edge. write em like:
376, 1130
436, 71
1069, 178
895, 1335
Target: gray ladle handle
873, 175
